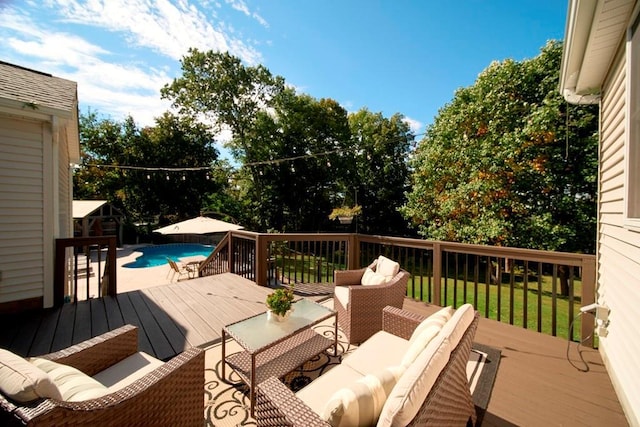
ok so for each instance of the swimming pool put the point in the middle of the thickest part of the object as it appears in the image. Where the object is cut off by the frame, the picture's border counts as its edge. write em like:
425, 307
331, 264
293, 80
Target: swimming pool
153, 256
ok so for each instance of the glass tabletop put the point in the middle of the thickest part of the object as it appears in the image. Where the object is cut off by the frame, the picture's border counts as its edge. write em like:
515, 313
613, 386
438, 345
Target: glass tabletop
257, 331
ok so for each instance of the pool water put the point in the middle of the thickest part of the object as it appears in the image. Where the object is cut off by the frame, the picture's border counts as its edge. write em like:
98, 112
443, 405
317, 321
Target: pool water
153, 256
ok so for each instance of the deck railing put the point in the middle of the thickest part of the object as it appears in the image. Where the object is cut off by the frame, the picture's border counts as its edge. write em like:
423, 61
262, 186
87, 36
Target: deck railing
74, 267
539, 290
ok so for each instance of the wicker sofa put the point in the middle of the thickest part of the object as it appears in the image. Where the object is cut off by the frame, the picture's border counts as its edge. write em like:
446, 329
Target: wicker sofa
157, 393
431, 390
360, 306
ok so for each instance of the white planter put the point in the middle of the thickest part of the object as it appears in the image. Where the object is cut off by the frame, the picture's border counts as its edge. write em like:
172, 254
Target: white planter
273, 317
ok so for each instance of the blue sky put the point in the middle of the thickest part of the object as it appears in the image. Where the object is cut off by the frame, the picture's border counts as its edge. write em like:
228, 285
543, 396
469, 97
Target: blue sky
390, 56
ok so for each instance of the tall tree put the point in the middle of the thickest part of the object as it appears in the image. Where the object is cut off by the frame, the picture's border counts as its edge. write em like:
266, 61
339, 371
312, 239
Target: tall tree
379, 177
508, 162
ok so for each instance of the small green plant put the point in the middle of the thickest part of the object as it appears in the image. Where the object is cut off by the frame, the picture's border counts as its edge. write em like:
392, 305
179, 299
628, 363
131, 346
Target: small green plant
345, 211
280, 300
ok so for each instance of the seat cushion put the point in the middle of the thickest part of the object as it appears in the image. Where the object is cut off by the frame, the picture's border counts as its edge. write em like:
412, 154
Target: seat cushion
127, 371
370, 277
387, 267
74, 385
22, 382
414, 385
378, 352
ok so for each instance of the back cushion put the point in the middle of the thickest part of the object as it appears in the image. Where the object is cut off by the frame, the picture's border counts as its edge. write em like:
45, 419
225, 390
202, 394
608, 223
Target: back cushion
454, 329
74, 385
387, 267
414, 385
439, 318
370, 277
23, 382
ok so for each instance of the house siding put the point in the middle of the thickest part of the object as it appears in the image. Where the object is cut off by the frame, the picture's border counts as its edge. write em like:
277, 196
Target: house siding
618, 247
22, 208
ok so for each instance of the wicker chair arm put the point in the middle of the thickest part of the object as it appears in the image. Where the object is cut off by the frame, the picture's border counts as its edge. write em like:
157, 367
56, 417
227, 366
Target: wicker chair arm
169, 395
347, 277
400, 322
278, 406
98, 353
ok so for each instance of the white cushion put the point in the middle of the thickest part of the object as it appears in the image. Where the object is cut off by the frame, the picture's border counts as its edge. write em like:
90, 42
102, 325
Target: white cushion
438, 318
413, 387
74, 385
360, 403
341, 293
387, 267
370, 277
21, 381
460, 321
381, 350
419, 343
317, 393
127, 371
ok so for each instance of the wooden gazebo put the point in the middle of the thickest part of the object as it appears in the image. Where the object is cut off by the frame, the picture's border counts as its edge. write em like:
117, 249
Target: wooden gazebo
97, 218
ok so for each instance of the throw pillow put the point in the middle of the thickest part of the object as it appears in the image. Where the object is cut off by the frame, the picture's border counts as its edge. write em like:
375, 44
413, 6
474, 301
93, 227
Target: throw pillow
23, 382
370, 277
387, 267
74, 385
361, 403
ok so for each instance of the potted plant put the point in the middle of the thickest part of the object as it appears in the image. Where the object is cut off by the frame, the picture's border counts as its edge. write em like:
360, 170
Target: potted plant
345, 214
279, 303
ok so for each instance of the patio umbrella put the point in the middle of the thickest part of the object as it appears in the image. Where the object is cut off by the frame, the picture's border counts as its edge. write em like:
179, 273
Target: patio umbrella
199, 225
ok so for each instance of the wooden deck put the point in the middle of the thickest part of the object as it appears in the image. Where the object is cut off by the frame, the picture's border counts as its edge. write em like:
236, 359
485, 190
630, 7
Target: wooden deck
536, 383
170, 318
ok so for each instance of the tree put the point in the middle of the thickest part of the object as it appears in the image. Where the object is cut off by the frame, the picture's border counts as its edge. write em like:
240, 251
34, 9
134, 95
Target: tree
508, 162
217, 87
379, 177
291, 185
135, 169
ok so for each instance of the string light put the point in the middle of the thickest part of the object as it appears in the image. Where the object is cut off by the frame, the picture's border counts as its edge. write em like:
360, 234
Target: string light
256, 163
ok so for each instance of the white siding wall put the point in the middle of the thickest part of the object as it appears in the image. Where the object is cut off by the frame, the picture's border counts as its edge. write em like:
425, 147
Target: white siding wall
619, 249
22, 209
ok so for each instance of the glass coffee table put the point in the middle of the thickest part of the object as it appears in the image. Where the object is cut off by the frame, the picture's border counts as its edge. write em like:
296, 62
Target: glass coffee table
272, 348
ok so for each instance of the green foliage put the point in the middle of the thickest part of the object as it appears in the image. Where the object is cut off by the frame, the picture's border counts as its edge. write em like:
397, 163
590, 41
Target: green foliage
348, 211
280, 300
379, 174
143, 193
508, 162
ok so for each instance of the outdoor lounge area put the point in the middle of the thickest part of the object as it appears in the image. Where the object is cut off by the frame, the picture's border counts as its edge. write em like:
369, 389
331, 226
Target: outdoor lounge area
536, 382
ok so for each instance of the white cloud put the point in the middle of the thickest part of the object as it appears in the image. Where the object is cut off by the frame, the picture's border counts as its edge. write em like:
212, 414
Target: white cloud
108, 83
415, 125
169, 28
241, 6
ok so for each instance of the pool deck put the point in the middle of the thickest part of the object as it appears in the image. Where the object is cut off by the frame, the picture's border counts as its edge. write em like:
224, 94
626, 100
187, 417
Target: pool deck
129, 279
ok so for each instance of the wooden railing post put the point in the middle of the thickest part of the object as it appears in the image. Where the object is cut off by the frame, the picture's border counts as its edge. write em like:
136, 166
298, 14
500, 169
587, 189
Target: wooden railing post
232, 263
112, 284
588, 297
437, 273
261, 260
353, 252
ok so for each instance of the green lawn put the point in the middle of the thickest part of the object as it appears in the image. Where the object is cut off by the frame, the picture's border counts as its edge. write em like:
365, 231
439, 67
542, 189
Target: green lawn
515, 296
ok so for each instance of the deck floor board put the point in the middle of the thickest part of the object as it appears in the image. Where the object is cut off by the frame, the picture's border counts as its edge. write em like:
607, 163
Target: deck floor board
536, 384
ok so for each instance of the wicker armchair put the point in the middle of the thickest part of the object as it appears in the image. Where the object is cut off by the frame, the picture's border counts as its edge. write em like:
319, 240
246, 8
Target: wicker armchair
362, 316
172, 394
448, 403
